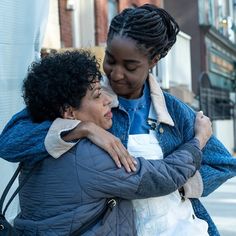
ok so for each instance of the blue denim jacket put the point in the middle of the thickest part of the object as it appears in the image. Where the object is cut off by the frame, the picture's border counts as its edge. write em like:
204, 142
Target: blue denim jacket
174, 127
217, 165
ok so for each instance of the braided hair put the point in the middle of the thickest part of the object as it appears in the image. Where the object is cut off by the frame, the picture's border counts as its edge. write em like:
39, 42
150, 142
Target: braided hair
151, 27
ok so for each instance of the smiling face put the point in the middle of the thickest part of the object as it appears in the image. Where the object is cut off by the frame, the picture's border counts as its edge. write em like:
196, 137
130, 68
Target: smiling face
95, 107
126, 67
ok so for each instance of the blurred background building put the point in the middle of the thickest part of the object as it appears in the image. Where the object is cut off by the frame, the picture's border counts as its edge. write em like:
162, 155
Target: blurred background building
200, 69
212, 27
22, 28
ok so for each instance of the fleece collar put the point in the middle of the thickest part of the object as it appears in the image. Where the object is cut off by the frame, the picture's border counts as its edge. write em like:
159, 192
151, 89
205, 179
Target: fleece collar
158, 101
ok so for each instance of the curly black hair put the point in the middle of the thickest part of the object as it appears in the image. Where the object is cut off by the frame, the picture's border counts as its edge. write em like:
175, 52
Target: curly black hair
151, 27
57, 81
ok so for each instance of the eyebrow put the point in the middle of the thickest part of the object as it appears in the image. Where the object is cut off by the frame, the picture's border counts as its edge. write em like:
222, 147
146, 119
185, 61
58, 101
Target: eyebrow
126, 60
95, 89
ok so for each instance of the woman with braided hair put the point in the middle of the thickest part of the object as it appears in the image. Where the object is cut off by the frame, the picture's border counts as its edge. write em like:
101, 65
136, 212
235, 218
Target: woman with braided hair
148, 121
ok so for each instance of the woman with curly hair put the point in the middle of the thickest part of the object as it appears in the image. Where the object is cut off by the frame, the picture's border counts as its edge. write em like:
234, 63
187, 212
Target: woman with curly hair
147, 121
63, 196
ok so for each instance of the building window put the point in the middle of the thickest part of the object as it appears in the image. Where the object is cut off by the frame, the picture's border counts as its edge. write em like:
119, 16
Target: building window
112, 9
220, 14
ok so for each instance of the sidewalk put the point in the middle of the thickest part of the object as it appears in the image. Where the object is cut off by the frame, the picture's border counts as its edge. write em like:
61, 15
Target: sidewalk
222, 207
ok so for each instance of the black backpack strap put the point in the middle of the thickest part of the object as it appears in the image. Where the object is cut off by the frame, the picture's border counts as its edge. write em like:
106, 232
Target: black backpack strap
110, 204
9, 185
6, 190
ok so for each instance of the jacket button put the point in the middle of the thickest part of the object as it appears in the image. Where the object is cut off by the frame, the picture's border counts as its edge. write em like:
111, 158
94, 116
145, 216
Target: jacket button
161, 130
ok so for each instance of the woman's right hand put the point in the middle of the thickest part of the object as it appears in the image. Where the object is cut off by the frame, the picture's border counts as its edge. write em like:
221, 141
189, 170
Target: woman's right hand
104, 140
203, 128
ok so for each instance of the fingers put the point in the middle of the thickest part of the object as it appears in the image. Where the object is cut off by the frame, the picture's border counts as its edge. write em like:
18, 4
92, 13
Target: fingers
200, 113
128, 162
124, 157
119, 154
203, 129
120, 160
132, 162
113, 146
115, 157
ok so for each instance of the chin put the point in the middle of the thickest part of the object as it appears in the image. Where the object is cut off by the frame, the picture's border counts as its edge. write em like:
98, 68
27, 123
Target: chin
107, 125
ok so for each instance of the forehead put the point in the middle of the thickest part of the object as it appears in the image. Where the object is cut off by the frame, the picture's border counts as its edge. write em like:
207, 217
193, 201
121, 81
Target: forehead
125, 48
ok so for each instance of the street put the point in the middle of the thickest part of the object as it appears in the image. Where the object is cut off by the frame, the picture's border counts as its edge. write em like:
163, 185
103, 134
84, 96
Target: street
222, 207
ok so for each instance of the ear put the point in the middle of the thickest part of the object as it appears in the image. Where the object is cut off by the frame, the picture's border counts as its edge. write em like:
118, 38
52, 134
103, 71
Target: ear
68, 113
154, 61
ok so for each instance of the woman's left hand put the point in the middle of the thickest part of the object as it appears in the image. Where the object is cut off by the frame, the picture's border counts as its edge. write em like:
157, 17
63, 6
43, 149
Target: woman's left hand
104, 140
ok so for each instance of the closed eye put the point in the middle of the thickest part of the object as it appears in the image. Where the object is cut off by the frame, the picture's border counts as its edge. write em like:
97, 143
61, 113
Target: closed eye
131, 68
98, 93
110, 60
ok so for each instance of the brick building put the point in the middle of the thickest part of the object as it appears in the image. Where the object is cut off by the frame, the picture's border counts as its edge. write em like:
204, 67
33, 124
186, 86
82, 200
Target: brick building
105, 10
212, 27
85, 23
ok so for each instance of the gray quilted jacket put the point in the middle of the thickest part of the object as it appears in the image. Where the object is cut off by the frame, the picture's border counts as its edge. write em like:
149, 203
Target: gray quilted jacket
65, 193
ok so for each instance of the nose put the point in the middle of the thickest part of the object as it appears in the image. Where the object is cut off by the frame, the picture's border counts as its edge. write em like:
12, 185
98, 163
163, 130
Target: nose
117, 73
107, 99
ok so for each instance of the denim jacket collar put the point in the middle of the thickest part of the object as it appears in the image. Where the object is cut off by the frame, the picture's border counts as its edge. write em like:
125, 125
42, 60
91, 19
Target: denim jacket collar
158, 102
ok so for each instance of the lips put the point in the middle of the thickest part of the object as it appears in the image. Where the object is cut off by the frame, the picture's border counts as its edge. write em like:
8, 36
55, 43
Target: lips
108, 115
118, 83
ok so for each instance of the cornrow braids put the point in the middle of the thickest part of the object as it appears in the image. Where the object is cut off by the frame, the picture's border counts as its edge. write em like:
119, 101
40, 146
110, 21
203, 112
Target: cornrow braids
151, 27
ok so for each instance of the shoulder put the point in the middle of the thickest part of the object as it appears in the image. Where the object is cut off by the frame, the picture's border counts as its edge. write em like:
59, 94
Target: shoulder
182, 115
177, 108
171, 100
89, 154
84, 156
85, 147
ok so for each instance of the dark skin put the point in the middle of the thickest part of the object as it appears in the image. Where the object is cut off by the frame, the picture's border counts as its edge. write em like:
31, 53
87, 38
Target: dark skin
127, 68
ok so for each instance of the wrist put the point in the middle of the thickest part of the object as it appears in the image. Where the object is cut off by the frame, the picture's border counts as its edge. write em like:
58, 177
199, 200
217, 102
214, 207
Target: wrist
82, 130
200, 141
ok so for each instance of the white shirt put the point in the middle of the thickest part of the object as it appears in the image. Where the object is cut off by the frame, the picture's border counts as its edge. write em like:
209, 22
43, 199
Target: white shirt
167, 215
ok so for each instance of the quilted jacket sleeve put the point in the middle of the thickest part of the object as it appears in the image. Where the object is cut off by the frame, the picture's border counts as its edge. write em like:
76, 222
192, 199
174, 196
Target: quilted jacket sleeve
100, 177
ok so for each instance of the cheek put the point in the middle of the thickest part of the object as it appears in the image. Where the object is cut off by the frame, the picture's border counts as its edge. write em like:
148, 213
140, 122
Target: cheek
104, 122
106, 66
137, 79
106, 69
143, 76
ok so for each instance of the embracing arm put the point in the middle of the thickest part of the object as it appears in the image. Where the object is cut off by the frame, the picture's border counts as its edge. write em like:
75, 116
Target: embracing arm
217, 166
23, 140
153, 178
63, 134
217, 163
